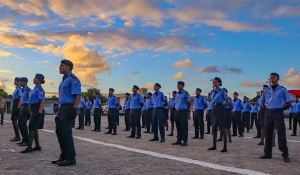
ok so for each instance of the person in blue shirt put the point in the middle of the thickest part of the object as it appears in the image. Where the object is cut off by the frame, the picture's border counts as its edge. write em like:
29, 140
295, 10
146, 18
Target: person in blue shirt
253, 112
228, 109
112, 105
16, 109
24, 112
276, 99
199, 106
127, 112
208, 113
159, 102
291, 116
36, 101
246, 114
296, 111
89, 106
149, 119
136, 104
236, 116
81, 107
218, 120
69, 99
166, 113
172, 112
261, 118
97, 111
144, 113
182, 106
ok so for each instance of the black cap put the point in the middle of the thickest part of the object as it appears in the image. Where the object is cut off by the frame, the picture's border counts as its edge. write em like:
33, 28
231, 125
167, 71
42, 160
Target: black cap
174, 92
225, 90
149, 93
158, 85
111, 89
145, 97
218, 80
265, 86
198, 89
67, 62
23, 79
236, 93
181, 83
40, 77
275, 74
17, 79
136, 87
127, 94
97, 92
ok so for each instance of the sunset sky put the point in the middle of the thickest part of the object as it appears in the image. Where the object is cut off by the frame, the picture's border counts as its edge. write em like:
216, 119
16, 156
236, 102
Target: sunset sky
119, 43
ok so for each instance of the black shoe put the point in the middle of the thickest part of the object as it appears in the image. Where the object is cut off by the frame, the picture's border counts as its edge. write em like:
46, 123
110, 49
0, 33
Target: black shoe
37, 149
177, 143
202, 137
247, 131
241, 135
108, 132
154, 139
293, 135
97, 130
27, 150
286, 159
93, 130
224, 150
207, 133
265, 157
212, 148
195, 137
143, 127
114, 134
184, 144
170, 135
251, 127
20, 143
15, 139
257, 137
131, 136
260, 143
147, 132
67, 163
1, 124
162, 140
61, 159
138, 137
167, 129
107, 128
23, 144
126, 130
290, 128
219, 140
77, 128
233, 135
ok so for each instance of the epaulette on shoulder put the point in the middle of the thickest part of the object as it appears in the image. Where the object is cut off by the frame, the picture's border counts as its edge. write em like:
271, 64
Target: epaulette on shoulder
186, 92
283, 87
73, 76
27, 89
40, 88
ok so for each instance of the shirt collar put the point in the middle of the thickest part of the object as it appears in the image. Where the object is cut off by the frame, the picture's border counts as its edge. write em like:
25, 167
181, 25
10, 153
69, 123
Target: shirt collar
68, 75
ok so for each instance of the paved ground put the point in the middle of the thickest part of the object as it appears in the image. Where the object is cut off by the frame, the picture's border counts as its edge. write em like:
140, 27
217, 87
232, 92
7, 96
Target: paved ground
106, 154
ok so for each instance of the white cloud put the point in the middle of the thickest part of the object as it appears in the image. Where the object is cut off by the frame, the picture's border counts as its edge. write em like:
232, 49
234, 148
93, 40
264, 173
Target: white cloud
8, 54
179, 75
292, 78
5, 71
129, 24
183, 64
45, 61
119, 64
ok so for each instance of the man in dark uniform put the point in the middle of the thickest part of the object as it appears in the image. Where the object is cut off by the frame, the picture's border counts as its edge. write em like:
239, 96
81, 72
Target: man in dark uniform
127, 112
276, 99
182, 105
112, 105
172, 112
144, 113
16, 109
24, 113
246, 114
199, 106
158, 114
149, 119
69, 98
296, 111
136, 104
89, 106
208, 114
236, 116
97, 111
81, 113
261, 118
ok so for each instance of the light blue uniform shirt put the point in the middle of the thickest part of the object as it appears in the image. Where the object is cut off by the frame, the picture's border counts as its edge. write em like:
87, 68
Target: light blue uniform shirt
291, 108
181, 100
36, 95
237, 105
218, 96
199, 103
275, 99
112, 101
17, 93
296, 107
69, 88
210, 105
172, 103
158, 99
25, 94
135, 101
246, 107
127, 103
89, 104
229, 105
254, 108
149, 103
81, 103
97, 103
144, 107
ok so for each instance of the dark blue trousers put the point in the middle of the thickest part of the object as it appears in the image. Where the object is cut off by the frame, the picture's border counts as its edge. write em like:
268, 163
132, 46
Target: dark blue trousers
158, 122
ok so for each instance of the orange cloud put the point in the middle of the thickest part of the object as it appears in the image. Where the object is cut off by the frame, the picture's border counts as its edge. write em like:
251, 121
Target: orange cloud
179, 75
184, 64
149, 85
256, 84
292, 78
129, 24
5, 71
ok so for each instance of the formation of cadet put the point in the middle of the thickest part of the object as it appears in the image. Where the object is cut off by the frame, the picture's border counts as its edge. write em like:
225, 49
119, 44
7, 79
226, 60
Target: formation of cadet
222, 112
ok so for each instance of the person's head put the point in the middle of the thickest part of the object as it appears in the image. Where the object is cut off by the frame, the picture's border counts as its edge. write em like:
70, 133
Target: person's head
174, 94
149, 94
208, 95
180, 85
96, 93
65, 67
157, 86
87, 98
297, 97
16, 82
245, 98
198, 91
265, 86
127, 95
135, 88
39, 79
23, 81
235, 95
111, 91
145, 98
274, 78
217, 82
226, 91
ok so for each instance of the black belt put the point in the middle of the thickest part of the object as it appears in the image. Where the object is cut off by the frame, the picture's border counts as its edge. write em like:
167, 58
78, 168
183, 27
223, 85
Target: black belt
199, 109
159, 108
246, 112
67, 104
236, 111
276, 109
136, 109
25, 105
181, 110
80, 108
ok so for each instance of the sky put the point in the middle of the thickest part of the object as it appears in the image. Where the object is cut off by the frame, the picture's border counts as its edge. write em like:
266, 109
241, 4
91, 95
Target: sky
120, 43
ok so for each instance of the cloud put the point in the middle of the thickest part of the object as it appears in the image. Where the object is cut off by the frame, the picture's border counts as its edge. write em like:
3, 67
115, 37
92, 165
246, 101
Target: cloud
184, 64
149, 85
200, 81
50, 82
45, 61
222, 69
2, 85
129, 24
287, 11
8, 54
135, 72
179, 75
256, 84
5, 71
119, 64
4, 79
292, 78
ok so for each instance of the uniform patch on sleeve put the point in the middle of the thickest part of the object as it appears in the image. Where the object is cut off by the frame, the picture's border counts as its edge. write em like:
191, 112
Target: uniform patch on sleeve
73, 76
74, 82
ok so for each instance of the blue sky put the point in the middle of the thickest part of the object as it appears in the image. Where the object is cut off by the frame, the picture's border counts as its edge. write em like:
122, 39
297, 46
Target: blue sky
118, 44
